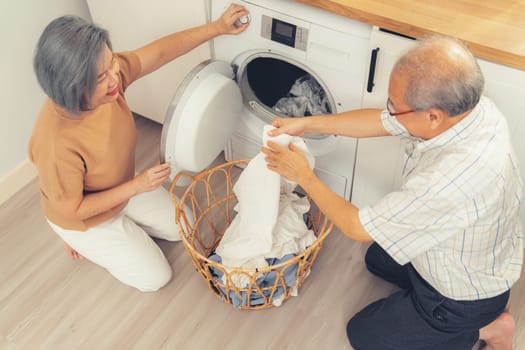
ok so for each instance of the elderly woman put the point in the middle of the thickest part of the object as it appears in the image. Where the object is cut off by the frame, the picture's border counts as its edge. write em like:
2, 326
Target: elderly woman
83, 145
451, 237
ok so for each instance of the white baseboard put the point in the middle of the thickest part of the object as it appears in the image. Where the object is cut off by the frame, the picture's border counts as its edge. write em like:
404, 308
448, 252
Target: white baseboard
14, 181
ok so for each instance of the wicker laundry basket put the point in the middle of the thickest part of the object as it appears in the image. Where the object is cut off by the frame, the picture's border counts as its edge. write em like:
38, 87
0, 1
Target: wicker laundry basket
210, 199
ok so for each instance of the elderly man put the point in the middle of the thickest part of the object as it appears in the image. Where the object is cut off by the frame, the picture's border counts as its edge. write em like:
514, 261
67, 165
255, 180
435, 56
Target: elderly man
450, 238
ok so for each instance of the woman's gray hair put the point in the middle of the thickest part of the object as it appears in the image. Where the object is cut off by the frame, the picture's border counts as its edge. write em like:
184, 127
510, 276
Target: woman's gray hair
441, 73
66, 59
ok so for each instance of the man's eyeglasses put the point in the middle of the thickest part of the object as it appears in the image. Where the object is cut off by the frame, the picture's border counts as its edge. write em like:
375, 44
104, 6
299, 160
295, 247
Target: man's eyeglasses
390, 109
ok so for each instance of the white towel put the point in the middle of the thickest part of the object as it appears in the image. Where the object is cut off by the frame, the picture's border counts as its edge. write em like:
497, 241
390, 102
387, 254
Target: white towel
269, 221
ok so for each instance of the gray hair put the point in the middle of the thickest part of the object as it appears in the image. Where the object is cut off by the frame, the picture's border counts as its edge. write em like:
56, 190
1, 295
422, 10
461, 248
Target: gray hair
441, 73
66, 59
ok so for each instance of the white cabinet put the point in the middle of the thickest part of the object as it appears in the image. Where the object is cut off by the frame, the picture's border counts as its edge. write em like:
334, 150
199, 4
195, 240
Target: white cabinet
132, 24
379, 160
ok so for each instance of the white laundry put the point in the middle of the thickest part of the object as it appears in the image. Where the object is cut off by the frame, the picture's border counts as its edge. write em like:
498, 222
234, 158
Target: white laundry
269, 221
306, 97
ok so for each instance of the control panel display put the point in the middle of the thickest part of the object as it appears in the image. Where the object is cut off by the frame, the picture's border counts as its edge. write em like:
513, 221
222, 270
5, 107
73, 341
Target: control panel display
283, 32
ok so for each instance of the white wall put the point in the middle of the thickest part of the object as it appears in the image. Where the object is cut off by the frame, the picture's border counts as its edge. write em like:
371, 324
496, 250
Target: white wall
21, 22
134, 27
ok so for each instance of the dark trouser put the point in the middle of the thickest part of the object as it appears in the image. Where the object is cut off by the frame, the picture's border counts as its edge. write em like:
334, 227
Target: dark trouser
417, 317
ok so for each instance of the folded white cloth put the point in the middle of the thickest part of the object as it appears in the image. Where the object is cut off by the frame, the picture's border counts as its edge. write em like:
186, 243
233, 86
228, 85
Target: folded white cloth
269, 221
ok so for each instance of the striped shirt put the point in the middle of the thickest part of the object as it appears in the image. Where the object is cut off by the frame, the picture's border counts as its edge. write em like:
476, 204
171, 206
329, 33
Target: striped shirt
456, 216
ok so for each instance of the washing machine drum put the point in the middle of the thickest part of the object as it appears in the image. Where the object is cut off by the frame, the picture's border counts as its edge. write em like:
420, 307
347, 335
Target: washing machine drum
201, 117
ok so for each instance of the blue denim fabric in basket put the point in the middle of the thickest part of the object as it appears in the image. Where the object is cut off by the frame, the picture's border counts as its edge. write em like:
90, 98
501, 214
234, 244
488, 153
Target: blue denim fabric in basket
266, 280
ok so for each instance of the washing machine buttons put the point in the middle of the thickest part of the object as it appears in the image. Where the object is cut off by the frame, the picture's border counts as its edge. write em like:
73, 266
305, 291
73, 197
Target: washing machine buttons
242, 20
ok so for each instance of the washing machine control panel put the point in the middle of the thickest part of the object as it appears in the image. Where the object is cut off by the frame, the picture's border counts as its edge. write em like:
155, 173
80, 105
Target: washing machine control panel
283, 32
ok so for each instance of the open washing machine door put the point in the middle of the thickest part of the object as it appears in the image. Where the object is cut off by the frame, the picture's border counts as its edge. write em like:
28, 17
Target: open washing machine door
201, 117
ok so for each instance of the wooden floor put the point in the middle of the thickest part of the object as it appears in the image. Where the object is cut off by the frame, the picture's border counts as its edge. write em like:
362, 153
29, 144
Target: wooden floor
48, 301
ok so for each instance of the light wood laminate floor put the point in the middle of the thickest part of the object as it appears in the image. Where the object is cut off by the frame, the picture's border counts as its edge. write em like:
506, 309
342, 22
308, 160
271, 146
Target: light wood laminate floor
48, 301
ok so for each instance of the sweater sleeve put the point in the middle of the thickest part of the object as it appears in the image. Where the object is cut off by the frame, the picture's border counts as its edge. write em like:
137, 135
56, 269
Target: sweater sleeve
130, 68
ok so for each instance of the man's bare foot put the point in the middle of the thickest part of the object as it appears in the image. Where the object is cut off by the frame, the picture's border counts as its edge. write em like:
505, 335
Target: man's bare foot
72, 252
497, 335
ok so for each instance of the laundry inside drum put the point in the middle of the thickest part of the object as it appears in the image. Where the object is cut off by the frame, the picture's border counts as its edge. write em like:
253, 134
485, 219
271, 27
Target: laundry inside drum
286, 89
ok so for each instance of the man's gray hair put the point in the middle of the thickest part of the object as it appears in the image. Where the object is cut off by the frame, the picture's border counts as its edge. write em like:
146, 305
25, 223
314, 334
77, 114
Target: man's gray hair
66, 59
441, 73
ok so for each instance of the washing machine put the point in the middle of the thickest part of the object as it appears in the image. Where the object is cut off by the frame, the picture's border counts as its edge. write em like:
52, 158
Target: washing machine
224, 103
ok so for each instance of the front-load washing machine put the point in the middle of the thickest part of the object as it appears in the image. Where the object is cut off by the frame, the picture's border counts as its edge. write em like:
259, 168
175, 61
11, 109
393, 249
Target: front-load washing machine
224, 103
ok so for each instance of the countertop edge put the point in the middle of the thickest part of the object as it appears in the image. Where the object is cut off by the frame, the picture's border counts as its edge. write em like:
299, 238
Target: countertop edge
478, 49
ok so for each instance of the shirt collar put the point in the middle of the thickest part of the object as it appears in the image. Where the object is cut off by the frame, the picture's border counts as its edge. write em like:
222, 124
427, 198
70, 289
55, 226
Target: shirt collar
459, 131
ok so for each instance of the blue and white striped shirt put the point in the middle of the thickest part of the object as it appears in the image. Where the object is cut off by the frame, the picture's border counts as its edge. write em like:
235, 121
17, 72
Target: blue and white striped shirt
456, 216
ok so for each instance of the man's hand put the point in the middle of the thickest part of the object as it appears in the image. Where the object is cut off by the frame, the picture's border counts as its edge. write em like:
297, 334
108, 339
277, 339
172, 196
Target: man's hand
289, 162
290, 126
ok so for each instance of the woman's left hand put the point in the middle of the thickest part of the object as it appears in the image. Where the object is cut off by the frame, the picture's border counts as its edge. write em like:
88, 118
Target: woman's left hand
289, 162
151, 178
226, 23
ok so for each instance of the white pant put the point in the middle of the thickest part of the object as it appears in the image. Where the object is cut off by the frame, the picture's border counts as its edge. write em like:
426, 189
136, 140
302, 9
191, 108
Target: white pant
123, 245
